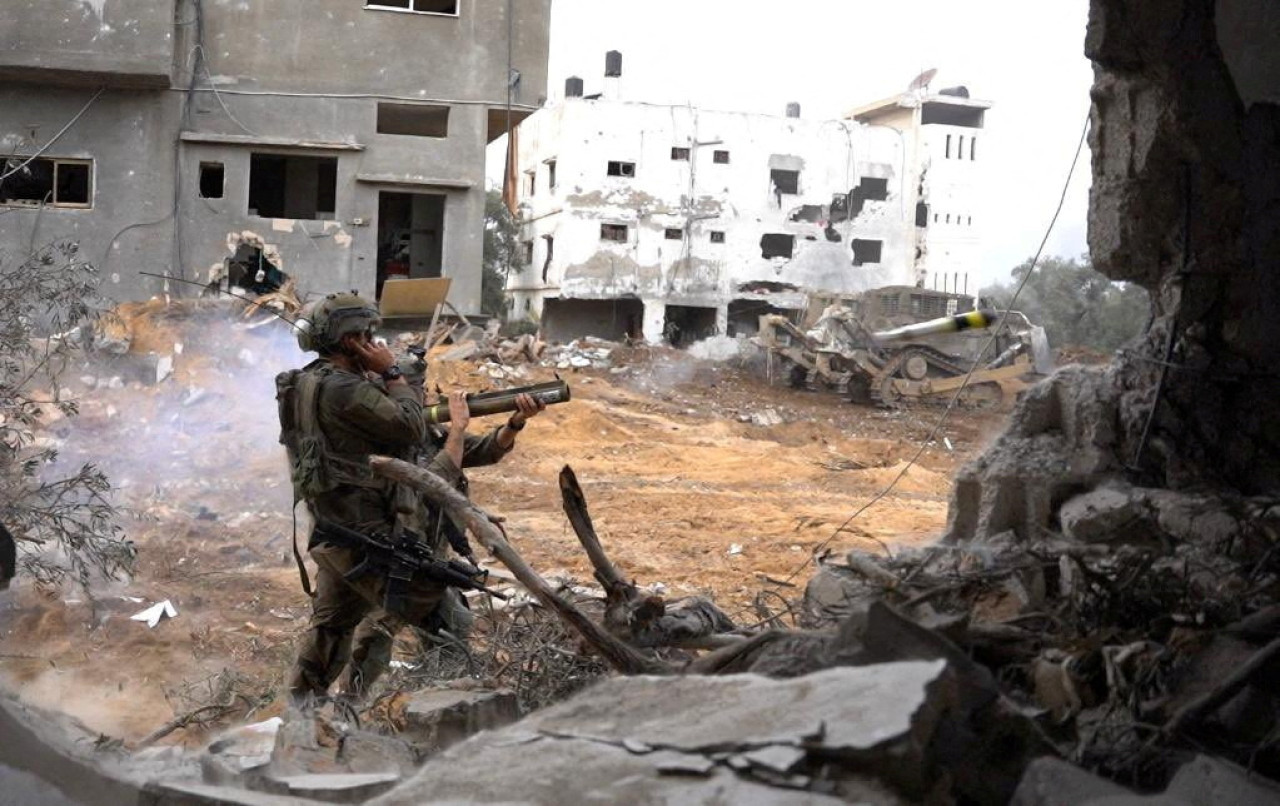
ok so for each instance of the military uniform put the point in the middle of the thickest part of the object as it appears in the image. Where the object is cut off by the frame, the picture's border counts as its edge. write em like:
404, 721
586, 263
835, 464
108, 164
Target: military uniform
357, 418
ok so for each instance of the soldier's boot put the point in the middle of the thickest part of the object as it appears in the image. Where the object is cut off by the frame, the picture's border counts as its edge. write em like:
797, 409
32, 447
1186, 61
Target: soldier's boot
370, 657
320, 659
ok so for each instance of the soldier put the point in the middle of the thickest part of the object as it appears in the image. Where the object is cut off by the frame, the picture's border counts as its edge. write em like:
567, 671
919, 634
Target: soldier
338, 410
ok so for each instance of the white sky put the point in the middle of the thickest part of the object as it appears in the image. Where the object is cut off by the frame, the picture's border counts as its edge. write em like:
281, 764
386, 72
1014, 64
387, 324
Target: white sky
1026, 56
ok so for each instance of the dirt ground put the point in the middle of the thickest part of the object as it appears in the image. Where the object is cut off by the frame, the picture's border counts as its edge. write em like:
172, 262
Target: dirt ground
683, 492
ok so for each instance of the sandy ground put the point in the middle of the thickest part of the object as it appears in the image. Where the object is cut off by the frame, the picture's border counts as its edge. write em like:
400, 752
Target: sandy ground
682, 492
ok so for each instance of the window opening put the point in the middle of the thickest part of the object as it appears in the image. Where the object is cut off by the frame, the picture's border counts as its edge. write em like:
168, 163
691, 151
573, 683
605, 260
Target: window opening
673, 234
421, 6
526, 252
530, 183
717, 236
973, 148
212, 175
960, 148
613, 232
873, 188
293, 187
413, 120
678, 153
948, 218
720, 157
551, 174
411, 236
922, 214
786, 182
551, 251
866, 251
948, 146
60, 183
626, 169
777, 244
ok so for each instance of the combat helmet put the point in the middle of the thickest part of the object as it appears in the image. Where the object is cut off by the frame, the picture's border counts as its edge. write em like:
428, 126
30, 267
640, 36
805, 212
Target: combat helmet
324, 322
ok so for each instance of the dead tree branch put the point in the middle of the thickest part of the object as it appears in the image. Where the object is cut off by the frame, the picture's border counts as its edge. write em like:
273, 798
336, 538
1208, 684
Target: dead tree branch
484, 526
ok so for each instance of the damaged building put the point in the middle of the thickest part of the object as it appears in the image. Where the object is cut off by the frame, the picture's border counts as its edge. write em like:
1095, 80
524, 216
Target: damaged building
339, 142
673, 223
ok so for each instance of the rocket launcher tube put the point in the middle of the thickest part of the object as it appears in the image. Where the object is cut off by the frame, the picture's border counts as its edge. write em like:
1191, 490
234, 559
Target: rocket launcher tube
504, 400
946, 324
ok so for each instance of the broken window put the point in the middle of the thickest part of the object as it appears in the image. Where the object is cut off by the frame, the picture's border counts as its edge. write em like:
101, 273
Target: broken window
866, 251
293, 187
551, 251
678, 153
627, 169
776, 244
414, 120
613, 232
526, 253
922, 214
787, 182
551, 174
421, 6
720, 157
873, 188
717, 236
211, 180
60, 183
673, 234
530, 183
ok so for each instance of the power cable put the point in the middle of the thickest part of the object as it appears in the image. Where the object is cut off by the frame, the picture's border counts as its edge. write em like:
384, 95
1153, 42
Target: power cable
56, 137
955, 397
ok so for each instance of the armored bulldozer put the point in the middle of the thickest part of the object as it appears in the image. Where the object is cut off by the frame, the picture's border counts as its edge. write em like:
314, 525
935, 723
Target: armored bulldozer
902, 343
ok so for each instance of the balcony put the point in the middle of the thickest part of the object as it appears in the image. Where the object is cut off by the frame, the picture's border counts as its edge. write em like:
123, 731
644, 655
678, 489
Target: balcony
118, 43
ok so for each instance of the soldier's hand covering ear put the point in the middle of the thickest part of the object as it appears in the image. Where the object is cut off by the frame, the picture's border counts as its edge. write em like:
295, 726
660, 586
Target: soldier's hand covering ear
372, 357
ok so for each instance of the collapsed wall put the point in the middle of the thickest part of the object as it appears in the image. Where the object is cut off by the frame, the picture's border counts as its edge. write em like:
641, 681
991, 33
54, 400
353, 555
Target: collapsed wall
1185, 134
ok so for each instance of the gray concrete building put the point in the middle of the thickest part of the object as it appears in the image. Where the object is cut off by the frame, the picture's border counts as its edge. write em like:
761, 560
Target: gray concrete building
340, 141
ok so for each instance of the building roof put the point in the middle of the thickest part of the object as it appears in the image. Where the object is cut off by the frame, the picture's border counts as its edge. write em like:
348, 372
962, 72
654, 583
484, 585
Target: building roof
910, 100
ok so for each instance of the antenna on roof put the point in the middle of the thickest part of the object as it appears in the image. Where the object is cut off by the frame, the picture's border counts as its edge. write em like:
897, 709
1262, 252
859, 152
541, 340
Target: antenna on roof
921, 82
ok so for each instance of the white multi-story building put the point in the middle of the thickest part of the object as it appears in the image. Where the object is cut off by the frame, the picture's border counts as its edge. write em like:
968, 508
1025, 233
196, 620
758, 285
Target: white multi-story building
674, 223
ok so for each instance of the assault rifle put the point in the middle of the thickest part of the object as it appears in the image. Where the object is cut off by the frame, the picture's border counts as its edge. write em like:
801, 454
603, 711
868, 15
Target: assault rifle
400, 558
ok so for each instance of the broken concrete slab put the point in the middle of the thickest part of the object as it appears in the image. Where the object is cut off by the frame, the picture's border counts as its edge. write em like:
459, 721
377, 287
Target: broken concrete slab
1053, 782
567, 770
1207, 781
439, 719
341, 787
652, 733
184, 793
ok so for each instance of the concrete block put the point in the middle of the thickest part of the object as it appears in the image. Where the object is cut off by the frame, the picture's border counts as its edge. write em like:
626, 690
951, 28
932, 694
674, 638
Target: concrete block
174, 793
1104, 515
439, 719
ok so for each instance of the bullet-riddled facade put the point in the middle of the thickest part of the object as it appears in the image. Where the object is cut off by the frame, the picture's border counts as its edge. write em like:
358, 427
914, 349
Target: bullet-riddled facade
673, 223
339, 141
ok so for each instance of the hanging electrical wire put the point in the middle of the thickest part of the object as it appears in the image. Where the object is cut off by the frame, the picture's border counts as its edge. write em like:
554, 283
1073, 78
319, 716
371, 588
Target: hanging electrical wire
955, 397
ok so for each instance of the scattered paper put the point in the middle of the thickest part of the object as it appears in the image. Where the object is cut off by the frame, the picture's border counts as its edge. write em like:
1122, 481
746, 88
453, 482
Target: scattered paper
153, 615
735, 549
947, 442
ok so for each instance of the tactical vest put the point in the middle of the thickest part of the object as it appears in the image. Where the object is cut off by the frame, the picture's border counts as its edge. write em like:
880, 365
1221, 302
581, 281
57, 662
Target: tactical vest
314, 467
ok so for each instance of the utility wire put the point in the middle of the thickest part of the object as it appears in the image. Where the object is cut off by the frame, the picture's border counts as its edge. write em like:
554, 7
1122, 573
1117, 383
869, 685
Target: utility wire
951, 404
56, 137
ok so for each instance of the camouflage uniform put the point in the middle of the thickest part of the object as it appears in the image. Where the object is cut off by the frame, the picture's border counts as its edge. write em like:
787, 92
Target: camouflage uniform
357, 418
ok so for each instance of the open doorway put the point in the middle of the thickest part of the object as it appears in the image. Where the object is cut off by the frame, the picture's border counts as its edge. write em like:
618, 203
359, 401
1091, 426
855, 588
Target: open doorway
410, 236
686, 324
612, 319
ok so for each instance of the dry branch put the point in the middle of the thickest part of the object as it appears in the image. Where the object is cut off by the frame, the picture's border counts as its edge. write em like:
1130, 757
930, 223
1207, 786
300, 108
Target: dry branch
621, 656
